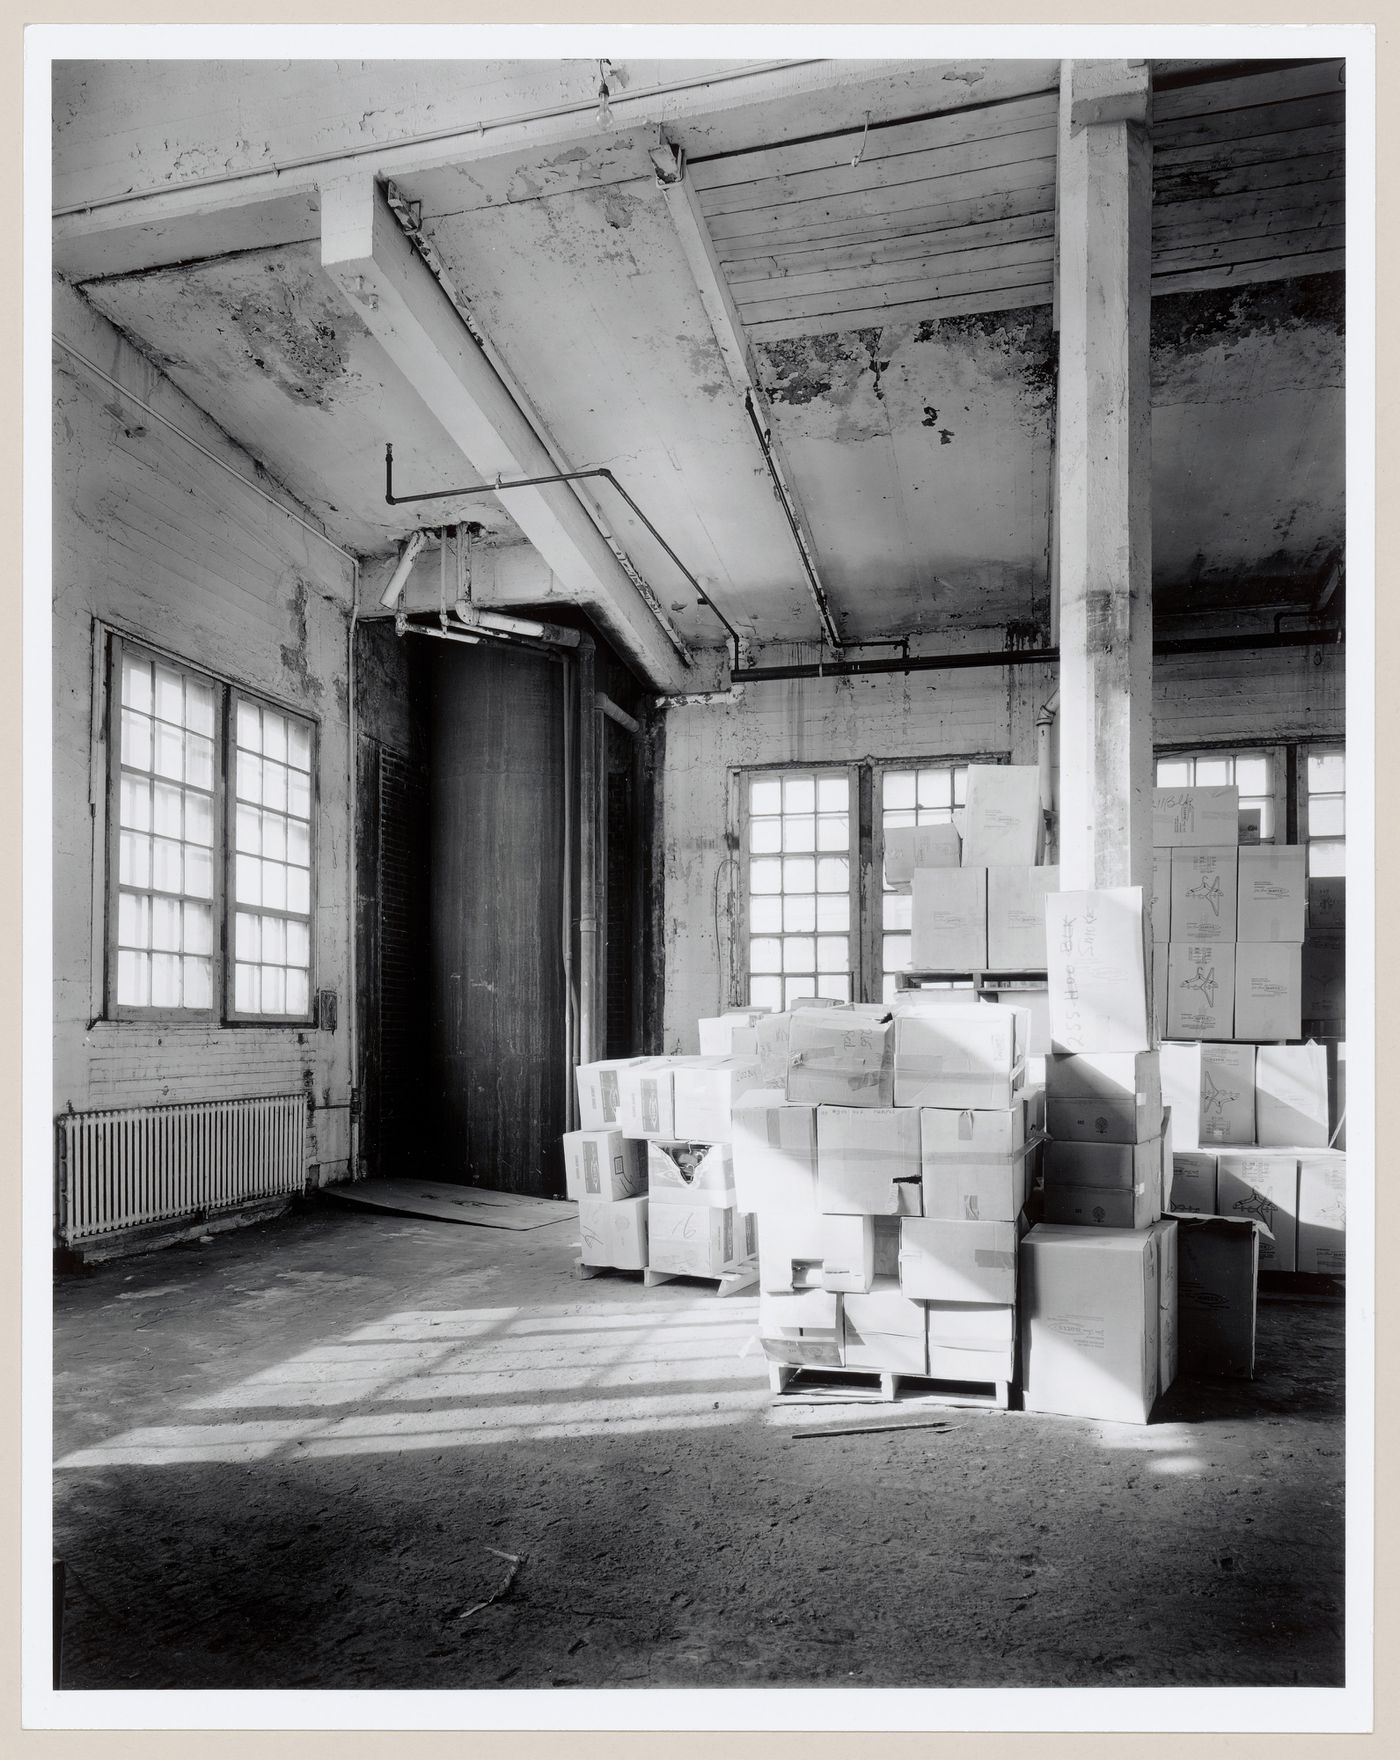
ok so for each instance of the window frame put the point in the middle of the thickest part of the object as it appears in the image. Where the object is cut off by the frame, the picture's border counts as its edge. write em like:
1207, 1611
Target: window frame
1319, 749
1280, 754
742, 777
233, 1016
112, 644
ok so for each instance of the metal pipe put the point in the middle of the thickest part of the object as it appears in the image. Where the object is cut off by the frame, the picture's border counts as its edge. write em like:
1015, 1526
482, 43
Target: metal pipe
814, 585
588, 795
1222, 644
439, 136
1044, 729
620, 716
498, 487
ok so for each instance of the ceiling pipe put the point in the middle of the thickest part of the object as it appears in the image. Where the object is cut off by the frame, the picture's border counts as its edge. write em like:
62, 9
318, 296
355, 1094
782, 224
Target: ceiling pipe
780, 489
1223, 644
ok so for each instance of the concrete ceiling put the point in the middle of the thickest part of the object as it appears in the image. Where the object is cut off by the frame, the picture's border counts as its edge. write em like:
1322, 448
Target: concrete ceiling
897, 313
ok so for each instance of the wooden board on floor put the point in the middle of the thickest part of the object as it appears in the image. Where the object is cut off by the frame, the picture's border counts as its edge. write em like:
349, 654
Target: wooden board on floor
447, 1203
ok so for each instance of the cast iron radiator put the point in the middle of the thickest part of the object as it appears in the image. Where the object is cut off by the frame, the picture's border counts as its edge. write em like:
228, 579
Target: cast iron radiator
161, 1163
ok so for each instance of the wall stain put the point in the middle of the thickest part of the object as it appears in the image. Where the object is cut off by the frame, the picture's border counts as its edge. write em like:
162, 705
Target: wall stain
294, 653
302, 352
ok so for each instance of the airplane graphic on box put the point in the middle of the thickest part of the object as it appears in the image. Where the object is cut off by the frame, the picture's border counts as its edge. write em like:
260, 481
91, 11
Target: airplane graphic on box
1209, 892
1205, 982
1214, 1099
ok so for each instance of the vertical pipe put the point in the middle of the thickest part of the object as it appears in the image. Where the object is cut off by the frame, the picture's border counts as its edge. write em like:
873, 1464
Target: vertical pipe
588, 792
1044, 753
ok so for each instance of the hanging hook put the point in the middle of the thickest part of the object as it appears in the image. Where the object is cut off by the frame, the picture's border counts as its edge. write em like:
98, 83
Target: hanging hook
860, 150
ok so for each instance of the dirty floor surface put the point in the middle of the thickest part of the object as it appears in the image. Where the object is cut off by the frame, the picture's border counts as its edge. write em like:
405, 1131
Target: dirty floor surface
295, 1457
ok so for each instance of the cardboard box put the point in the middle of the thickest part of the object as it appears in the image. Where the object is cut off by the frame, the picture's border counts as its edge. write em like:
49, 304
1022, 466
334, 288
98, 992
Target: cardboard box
885, 1330
1167, 1282
1327, 903
958, 1261
1339, 1098
1217, 1283
886, 1246
1200, 990
1273, 892
837, 1057
1193, 1182
1036, 1004
698, 1240
602, 1164
1227, 1094
1290, 1096
613, 1232
1159, 990
1268, 990
960, 1057
690, 1173
1194, 818
704, 1092
1104, 1075
948, 920
789, 1250
868, 1162
1180, 1064
971, 1341
1262, 1184
802, 1328
771, 1035
974, 1163
1097, 970
1161, 894
1205, 885
1324, 968
1095, 1207
908, 847
1016, 917
1004, 825
1103, 1121
599, 1092
717, 1031
1090, 1322
647, 1097
848, 1253
775, 1152
1322, 1212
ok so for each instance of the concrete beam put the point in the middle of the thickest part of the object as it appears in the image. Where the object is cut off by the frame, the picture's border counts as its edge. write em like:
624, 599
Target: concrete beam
688, 218
1104, 487
365, 253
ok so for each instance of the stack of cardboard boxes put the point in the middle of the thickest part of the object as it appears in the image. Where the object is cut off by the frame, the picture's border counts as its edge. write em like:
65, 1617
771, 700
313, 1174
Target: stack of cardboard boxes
1228, 922
978, 892
1099, 1273
889, 1173
652, 1167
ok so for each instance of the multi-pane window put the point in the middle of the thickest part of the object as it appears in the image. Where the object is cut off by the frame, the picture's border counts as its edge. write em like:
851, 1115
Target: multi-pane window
799, 872
272, 862
929, 795
1251, 772
1327, 812
165, 837
183, 744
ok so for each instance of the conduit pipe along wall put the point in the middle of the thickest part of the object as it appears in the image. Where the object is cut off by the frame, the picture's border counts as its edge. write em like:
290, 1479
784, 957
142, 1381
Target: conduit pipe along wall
1044, 756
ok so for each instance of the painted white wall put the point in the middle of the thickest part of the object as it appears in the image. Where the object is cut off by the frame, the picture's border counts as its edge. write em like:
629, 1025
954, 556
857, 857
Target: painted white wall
154, 540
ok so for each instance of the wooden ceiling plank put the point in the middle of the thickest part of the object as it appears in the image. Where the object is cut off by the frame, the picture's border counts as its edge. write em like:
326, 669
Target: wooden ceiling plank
1319, 240
1194, 186
1257, 150
859, 279
1239, 125
1001, 299
904, 293
1255, 212
943, 217
885, 141
867, 178
895, 250
1274, 87
774, 222
1200, 280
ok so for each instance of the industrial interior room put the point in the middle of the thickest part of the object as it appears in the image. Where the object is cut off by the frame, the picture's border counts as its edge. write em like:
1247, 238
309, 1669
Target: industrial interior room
699, 847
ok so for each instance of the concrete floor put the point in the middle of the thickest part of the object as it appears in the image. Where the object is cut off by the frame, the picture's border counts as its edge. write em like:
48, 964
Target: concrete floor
284, 1458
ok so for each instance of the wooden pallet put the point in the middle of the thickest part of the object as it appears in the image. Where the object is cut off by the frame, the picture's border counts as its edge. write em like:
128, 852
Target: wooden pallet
582, 1270
812, 1386
728, 1284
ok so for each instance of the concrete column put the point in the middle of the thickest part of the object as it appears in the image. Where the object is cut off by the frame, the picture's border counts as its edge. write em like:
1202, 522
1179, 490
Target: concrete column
1104, 470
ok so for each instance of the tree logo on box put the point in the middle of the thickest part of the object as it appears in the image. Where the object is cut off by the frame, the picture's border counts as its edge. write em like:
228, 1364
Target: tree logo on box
1098, 1213
1101, 1126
